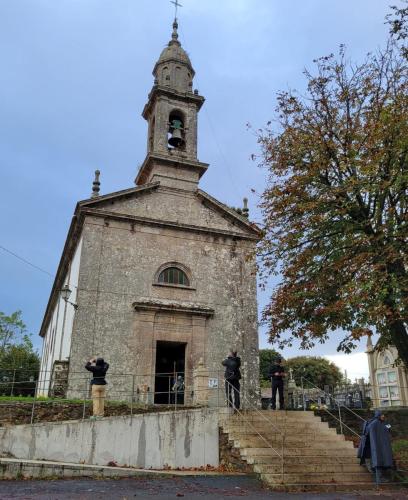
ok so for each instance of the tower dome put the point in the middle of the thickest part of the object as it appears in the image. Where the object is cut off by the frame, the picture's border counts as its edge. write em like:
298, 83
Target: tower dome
174, 69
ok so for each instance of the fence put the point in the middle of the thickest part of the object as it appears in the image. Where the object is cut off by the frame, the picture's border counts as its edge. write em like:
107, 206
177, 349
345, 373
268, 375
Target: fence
126, 392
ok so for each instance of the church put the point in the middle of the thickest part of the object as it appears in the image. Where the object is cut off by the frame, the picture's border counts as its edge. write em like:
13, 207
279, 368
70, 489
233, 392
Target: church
161, 276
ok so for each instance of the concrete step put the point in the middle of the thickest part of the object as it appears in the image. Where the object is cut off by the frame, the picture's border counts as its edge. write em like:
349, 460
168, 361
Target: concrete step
294, 416
16, 468
261, 442
301, 446
334, 467
337, 451
249, 427
277, 438
287, 427
301, 461
318, 478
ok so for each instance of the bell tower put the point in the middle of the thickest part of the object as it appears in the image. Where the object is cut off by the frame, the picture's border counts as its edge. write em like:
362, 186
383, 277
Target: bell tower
171, 113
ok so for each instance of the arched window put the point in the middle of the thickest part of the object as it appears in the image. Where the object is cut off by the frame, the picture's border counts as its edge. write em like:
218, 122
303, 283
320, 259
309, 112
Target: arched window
387, 381
173, 276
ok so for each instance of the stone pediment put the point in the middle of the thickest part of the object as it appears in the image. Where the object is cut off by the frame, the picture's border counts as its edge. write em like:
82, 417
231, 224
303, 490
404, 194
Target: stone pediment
153, 202
110, 198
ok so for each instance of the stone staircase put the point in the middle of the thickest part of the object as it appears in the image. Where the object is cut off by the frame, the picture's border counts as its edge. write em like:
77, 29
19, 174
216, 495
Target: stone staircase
295, 450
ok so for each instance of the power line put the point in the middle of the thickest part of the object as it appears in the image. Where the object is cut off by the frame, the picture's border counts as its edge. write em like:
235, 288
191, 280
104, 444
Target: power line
25, 261
220, 151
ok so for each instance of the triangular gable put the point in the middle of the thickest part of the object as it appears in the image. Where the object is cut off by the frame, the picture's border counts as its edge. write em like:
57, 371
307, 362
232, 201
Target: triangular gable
163, 204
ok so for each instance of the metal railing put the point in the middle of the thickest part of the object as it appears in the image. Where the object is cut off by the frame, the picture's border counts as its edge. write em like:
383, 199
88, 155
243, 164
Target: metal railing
339, 407
245, 419
131, 390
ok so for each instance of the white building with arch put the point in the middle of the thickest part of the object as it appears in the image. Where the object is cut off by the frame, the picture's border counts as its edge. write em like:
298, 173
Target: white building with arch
389, 381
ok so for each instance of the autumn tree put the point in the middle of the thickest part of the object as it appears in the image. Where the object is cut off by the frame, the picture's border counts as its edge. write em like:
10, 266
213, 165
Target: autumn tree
335, 207
398, 21
315, 371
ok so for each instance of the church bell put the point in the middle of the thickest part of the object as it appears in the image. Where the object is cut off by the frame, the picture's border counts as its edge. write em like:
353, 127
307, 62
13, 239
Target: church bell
176, 140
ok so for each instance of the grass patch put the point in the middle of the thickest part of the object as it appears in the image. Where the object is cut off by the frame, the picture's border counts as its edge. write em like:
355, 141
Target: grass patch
39, 399
400, 446
43, 399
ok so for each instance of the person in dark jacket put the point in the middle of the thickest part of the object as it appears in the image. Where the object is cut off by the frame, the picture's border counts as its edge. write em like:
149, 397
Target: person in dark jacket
276, 375
232, 377
98, 368
375, 445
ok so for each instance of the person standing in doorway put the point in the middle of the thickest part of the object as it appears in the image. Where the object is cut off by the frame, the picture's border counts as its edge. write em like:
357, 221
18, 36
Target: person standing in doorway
178, 390
277, 374
98, 367
232, 377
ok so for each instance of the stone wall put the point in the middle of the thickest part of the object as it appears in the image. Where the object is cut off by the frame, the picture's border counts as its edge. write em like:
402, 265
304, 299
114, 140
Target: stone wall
118, 265
230, 457
158, 441
397, 418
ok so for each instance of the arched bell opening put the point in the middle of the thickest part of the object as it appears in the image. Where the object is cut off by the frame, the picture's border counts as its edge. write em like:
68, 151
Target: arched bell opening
176, 132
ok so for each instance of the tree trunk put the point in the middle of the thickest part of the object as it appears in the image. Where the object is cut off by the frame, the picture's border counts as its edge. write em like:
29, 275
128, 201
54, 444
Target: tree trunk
397, 328
399, 337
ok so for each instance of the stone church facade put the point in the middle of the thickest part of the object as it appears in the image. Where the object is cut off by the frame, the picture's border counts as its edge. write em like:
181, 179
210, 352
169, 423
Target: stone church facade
162, 274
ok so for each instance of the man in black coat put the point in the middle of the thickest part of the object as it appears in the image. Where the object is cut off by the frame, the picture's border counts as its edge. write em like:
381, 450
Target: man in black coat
375, 444
232, 377
276, 375
98, 368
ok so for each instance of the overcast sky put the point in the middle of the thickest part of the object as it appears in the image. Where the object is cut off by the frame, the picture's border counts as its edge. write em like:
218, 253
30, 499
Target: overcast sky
74, 78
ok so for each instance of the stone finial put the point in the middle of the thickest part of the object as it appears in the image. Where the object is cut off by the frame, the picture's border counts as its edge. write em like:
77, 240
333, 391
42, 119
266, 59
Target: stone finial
245, 210
96, 185
174, 35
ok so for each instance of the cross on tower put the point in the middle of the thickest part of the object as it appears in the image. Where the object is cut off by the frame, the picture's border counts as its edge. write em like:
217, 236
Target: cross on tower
176, 6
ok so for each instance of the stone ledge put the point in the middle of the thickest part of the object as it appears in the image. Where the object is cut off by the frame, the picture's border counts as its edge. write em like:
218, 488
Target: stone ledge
152, 304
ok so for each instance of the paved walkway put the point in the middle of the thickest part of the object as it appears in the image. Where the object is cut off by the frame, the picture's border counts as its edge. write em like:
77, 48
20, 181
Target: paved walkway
203, 488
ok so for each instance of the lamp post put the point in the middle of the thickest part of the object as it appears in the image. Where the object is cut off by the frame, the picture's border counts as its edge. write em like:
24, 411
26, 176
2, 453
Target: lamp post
65, 294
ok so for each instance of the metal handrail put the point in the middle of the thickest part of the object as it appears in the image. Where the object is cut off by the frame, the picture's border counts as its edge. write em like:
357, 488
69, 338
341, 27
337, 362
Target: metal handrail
342, 424
254, 408
332, 396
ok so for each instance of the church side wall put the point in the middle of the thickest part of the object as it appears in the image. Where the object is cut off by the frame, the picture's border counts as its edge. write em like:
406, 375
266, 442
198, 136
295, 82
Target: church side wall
118, 265
57, 340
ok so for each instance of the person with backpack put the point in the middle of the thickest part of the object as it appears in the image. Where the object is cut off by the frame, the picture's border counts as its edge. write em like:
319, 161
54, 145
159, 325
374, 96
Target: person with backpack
232, 377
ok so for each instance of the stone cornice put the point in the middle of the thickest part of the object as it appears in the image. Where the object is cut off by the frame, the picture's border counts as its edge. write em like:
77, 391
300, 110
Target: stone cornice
166, 224
158, 90
118, 194
153, 304
175, 161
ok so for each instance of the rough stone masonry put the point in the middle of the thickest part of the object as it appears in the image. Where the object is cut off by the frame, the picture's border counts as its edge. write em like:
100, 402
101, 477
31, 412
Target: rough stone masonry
158, 271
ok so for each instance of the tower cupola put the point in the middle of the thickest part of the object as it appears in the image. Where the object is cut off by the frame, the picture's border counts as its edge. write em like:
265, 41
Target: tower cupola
171, 113
174, 69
